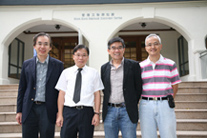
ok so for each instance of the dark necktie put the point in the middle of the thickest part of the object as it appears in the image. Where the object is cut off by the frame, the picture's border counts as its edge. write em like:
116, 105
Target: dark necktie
76, 96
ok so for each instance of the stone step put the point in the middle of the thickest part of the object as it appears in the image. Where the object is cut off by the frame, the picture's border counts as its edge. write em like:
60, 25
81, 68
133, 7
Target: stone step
191, 97
195, 84
192, 89
191, 113
192, 124
4, 100
8, 100
191, 104
10, 86
8, 108
7, 116
180, 114
14, 127
11, 96
178, 105
191, 134
182, 125
100, 134
8, 92
14, 92
187, 84
184, 87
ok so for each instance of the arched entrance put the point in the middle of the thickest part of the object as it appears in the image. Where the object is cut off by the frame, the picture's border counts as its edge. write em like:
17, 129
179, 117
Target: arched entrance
20, 48
175, 46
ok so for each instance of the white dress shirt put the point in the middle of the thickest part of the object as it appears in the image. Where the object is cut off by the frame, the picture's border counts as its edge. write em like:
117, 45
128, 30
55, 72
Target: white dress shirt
91, 82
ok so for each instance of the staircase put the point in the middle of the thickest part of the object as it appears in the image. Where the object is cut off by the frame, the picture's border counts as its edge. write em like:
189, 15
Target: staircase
191, 112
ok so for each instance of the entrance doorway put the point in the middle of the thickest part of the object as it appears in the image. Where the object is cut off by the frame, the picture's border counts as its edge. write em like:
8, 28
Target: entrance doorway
135, 47
63, 49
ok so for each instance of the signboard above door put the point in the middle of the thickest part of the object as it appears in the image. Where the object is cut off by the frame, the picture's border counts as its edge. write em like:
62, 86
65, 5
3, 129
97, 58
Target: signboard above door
78, 2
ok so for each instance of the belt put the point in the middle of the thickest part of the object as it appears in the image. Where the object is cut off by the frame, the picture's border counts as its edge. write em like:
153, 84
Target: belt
117, 105
154, 98
38, 102
80, 107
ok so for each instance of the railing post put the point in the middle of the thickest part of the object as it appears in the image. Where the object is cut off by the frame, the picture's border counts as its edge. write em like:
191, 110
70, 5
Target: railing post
203, 58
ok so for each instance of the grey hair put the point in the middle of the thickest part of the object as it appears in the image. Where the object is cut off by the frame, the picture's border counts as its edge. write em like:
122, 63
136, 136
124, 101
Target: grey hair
153, 35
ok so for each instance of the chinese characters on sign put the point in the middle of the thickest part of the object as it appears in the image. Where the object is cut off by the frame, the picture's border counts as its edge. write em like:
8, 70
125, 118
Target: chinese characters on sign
98, 16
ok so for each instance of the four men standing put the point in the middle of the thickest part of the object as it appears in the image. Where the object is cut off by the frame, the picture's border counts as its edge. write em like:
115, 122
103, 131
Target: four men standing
79, 88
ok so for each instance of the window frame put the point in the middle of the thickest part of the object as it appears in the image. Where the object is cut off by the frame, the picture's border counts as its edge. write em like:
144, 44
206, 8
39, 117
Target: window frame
18, 66
181, 55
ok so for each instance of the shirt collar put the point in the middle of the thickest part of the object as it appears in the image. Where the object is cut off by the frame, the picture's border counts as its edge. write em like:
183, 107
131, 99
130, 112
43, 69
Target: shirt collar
76, 68
46, 60
161, 59
122, 62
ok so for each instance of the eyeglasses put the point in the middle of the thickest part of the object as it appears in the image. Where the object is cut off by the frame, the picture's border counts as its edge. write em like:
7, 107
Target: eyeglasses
83, 56
42, 44
155, 44
118, 48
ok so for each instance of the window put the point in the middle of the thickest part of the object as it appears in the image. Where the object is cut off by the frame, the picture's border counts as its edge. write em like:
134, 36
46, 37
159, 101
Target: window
63, 49
183, 56
131, 51
135, 47
206, 42
16, 58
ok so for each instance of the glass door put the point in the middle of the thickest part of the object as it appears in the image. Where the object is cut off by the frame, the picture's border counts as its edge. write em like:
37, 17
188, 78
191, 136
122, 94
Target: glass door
135, 47
63, 49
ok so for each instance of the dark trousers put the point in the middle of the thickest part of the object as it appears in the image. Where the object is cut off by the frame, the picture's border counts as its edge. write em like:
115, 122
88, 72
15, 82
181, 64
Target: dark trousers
77, 121
38, 122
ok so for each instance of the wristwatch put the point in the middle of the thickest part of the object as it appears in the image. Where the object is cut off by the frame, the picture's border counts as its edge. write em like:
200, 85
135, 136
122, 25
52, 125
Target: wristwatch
97, 113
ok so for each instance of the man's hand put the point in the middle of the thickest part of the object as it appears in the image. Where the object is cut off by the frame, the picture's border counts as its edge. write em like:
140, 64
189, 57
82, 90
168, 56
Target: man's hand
59, 120
95, 120
19, 118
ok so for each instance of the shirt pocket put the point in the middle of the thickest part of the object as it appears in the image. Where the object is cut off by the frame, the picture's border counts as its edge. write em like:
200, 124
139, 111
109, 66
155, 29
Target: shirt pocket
88, 86
70, 85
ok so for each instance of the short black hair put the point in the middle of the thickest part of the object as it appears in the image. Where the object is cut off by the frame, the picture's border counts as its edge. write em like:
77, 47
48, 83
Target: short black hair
80, 47
116, 39
41, 34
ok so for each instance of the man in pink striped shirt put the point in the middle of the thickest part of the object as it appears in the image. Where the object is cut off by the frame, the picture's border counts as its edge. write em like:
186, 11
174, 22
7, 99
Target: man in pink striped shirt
160, 79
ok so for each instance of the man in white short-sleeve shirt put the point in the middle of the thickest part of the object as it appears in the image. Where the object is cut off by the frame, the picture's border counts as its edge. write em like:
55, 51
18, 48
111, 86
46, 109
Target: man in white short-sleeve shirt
79, 116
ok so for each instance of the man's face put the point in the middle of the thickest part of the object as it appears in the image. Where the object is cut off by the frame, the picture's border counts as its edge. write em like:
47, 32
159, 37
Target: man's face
42, 46
153, 46
80, 57
116, 51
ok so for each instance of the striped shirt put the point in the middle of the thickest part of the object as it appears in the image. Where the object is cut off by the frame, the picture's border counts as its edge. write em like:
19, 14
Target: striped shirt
159, 77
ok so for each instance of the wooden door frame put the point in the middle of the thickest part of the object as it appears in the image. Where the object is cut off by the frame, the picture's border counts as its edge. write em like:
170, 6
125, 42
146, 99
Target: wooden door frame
61, 41
138, 39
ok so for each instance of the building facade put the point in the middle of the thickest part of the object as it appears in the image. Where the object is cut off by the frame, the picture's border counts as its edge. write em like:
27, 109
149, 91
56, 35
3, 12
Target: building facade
183, 33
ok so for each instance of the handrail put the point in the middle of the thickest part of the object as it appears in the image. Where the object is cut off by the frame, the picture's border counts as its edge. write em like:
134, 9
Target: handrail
203, 58
203, 53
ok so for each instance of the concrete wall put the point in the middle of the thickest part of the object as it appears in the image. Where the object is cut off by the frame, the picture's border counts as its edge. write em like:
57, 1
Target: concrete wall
188, 18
